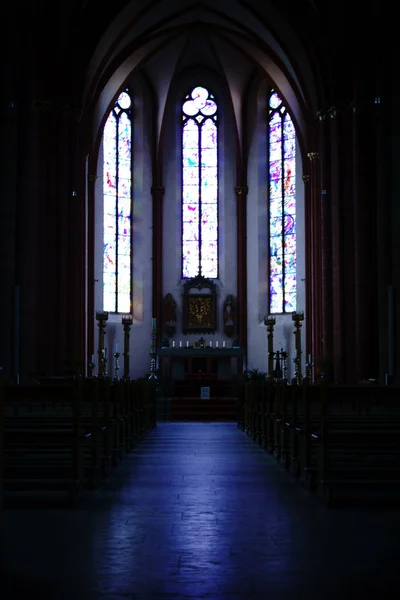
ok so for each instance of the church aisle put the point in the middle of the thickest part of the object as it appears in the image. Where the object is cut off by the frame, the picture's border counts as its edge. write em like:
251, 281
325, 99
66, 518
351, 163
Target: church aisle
199, 511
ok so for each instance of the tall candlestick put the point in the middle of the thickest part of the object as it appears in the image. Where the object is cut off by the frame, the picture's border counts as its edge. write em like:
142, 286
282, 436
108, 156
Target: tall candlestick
102, 318
298, 318
127, 324
270, 323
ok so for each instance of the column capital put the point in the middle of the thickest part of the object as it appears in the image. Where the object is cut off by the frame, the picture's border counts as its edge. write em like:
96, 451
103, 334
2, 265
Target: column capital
306, 178
313, 155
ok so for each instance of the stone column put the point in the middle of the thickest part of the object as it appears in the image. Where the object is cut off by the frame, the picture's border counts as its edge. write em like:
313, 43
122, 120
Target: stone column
315, 257
326, 246
241, 204
308, 270
157, 192
337, 252
365, 237
91, 281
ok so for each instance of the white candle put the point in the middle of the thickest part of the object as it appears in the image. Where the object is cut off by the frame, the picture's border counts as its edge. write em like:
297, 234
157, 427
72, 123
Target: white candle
180, 344
216, 344
223, 344
187, 344
210, 344
173, 344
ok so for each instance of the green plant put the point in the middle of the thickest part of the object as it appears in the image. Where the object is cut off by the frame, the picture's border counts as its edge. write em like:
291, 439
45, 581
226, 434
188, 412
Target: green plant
255, 375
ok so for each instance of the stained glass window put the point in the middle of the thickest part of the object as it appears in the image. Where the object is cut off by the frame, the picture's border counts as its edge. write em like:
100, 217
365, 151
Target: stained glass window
117, 194
199, 184
282, 208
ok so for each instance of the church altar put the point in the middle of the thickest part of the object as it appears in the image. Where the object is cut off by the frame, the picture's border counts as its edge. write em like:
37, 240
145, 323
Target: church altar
194, 363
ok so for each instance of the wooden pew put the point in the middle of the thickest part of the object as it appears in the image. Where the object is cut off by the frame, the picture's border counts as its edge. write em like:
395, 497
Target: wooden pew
359, 444
44, 441
63, 436
339, 441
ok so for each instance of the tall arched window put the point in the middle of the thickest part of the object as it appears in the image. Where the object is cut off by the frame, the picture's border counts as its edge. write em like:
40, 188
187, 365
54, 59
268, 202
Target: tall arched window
282, 208
199, 185
117, 194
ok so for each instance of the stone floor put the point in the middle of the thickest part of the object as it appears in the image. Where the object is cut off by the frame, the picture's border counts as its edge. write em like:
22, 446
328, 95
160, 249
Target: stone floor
199, 511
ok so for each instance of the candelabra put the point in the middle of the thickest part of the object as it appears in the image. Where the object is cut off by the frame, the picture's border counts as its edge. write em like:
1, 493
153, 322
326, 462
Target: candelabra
92, 367
270, 322
153, 351
298, 318
284, 367
116, 355
309, 369
102, 318
278, 365
127, 324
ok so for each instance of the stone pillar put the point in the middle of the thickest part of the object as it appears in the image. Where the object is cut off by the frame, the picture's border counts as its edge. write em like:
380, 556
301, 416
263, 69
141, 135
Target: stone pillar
336, 216
308, 269
315, 258
326, 249
157, 192
11, 128
56, 240
241, 204
90, 275
365, 241
385, 218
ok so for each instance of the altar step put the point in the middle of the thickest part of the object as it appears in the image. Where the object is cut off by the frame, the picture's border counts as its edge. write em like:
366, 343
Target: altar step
196, 409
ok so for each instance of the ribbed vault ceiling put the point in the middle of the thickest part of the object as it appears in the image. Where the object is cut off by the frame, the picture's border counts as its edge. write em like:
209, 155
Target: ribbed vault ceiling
233, 38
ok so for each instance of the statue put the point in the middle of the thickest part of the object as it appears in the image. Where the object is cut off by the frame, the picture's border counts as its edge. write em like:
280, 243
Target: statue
169, 315
229, 315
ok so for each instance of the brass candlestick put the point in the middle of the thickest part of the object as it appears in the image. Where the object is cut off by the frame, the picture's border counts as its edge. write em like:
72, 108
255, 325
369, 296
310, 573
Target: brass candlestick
153, 351
270, 323
298, 318
127, 324
116, 355
102, 318
284, 355
92, 367
309, 369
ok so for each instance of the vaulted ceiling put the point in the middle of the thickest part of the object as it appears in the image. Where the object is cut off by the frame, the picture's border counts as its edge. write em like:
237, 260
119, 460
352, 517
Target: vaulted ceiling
305, 47
234, 39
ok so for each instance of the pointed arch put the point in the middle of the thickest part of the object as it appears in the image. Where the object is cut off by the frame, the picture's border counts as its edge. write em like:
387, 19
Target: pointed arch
117, 207
282, 207
199, 184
